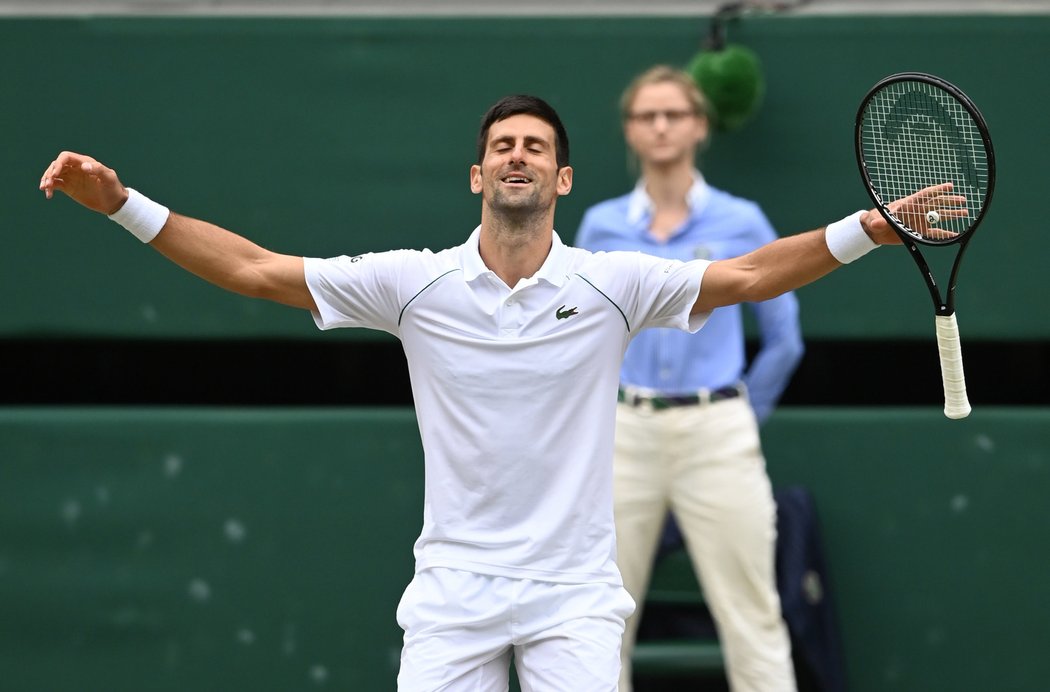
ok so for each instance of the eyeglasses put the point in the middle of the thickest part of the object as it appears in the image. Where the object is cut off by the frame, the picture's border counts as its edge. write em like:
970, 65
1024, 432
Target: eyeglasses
671, 116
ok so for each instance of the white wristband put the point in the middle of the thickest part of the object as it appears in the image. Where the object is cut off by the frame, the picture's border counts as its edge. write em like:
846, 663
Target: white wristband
141, 215
847, 240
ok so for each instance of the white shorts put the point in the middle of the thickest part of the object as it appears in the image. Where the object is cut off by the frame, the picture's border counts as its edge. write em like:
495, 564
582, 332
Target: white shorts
462, 628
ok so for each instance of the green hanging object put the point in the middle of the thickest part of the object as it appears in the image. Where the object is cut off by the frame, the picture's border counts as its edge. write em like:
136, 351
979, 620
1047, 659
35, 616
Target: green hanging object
729, 74
731, 79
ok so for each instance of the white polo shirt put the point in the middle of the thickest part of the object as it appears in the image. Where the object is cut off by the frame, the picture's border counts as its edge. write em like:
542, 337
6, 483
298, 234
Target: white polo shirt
515, 392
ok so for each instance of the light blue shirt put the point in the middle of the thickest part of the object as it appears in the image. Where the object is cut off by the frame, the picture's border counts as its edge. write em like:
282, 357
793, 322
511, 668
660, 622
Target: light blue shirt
672, 362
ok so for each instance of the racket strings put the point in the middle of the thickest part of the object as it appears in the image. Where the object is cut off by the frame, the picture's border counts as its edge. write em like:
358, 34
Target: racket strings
915, 135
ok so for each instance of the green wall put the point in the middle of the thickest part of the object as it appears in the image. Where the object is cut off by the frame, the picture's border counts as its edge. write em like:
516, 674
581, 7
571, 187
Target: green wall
936, 535
205, 550
338, 135
215, 550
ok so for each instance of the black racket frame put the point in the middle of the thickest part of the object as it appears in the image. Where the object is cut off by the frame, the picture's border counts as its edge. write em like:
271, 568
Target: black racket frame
946, 306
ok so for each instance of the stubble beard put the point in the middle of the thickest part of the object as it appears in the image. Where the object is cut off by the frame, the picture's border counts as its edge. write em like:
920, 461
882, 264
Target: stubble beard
518, 212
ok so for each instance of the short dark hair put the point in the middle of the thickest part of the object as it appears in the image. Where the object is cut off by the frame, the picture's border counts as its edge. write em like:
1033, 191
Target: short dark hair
523, 104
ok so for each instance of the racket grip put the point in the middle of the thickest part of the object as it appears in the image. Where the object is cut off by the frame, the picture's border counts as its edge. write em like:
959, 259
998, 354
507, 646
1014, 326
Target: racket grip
956, 405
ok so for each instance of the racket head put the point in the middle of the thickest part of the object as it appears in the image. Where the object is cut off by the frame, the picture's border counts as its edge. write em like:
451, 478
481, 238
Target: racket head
915, 130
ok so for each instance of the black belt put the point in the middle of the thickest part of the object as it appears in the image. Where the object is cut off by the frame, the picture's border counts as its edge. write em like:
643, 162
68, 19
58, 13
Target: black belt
661, 402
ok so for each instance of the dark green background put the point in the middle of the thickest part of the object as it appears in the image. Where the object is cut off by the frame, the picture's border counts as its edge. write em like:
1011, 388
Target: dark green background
332, 136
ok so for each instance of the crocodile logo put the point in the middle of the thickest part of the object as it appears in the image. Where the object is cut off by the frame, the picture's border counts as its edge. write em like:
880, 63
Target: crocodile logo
561, 313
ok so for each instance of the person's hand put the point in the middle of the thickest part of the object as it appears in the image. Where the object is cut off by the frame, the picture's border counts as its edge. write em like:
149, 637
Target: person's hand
86, 181
913, 210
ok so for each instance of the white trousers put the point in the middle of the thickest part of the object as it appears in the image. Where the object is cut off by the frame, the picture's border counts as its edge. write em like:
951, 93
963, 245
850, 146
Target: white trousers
705, 463
462, 628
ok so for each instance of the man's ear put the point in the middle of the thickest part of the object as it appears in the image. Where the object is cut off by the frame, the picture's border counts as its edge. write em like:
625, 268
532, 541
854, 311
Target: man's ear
475, 179
564, 180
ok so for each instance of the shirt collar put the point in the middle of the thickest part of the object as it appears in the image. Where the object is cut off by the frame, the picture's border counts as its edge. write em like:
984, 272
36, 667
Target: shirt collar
553, 270
640, 205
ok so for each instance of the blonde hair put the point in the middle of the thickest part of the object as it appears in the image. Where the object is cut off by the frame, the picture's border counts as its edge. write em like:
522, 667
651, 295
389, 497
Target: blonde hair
661, 74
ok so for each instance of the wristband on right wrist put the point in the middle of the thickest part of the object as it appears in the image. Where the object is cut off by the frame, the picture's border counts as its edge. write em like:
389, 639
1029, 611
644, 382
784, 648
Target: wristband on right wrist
847, 240
141, 216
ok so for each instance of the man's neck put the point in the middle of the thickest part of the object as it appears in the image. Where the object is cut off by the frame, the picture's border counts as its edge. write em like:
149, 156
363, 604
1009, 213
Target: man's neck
515, 251
668, 186
668, 189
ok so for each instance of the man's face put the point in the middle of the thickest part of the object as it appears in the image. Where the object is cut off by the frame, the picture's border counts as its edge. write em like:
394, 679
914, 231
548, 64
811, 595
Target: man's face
662, 127
519, 173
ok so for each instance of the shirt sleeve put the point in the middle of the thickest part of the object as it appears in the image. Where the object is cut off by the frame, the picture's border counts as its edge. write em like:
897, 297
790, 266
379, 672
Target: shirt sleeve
780, 351
665, 292
360, 291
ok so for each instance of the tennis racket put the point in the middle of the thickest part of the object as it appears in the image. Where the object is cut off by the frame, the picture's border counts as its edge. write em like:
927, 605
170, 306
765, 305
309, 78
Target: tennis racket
927, 161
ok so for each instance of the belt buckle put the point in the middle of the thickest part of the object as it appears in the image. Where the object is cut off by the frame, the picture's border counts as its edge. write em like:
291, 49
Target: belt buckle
703, 396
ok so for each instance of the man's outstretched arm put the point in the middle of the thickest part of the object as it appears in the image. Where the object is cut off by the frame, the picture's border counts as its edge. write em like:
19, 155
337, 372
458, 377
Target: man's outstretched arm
216, 255
794, 261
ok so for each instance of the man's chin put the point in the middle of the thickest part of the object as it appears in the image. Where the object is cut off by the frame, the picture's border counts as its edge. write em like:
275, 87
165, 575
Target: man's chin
524, 201
518, 210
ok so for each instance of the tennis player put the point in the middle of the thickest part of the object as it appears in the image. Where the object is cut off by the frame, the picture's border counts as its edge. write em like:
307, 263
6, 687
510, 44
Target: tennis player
514, 343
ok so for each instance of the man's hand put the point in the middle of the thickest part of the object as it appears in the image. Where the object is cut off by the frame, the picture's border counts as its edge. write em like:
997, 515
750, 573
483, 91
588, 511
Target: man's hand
913, 211
86, 181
